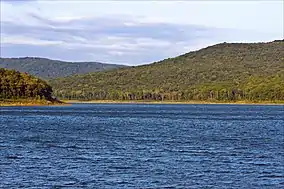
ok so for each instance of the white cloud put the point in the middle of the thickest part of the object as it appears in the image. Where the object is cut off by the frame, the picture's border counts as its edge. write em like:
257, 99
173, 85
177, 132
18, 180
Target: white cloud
21, 40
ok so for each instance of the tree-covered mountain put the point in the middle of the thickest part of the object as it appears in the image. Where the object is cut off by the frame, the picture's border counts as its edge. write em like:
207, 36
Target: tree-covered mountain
15, 85
46, 68
222, 72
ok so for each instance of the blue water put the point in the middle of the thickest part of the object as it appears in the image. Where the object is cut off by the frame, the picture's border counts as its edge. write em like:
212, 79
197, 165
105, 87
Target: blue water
142, 146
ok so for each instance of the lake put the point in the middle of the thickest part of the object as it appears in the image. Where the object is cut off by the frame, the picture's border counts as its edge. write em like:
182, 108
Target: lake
142, 146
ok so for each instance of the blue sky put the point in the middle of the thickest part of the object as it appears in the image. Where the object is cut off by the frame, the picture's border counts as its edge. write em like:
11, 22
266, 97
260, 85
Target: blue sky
132, 32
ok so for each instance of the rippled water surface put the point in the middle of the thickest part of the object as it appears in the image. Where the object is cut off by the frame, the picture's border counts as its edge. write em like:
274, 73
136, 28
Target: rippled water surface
142, 146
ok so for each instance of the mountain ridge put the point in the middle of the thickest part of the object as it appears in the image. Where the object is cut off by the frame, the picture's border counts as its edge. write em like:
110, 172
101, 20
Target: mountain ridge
232, 71
47, 68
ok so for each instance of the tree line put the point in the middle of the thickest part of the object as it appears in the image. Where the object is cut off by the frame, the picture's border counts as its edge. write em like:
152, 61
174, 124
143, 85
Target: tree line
17, 85
254, 89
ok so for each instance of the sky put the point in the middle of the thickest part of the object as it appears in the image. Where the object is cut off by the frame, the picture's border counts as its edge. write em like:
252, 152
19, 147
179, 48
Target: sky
132, 32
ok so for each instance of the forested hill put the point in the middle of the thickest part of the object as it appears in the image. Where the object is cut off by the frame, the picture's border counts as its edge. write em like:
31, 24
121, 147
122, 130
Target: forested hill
46, 68
18, 86
223, 72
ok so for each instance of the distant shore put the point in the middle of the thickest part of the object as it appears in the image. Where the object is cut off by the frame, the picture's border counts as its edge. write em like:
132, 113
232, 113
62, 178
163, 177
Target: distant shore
70, 102
170, 102
24, 102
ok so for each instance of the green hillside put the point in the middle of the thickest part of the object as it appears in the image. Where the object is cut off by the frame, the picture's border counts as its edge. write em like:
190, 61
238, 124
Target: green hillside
223, 72
46, 68
16, 86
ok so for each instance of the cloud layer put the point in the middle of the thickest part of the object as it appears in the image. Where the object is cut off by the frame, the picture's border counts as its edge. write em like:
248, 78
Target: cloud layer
120, 38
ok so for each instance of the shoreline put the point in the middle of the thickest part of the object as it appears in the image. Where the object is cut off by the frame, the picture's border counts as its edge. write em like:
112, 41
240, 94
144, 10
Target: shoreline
168, 102
31, 104
70, 102
7, 103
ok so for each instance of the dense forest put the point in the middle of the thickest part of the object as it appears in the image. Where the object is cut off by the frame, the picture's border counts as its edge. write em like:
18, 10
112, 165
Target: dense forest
47, 69
222, 72
15, 85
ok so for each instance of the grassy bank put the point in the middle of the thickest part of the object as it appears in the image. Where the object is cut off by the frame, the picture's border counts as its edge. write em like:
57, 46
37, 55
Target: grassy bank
176, 102
29, 102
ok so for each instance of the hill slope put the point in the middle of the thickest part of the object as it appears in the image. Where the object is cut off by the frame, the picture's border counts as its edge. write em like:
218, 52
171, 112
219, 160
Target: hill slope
20, 86
226, 72
46, 68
